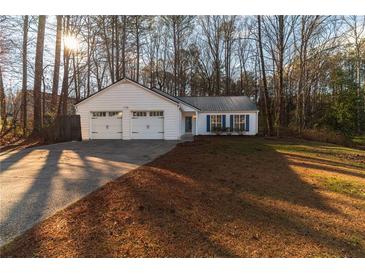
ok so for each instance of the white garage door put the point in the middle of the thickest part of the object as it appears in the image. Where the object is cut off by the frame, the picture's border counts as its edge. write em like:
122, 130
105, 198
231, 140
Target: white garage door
147, 125
106, 125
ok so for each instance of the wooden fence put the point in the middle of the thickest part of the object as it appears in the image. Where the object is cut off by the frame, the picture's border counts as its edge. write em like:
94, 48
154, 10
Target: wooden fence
67, 128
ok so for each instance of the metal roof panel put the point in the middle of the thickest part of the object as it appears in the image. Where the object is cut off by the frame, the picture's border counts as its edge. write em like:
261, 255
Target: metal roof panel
220, 103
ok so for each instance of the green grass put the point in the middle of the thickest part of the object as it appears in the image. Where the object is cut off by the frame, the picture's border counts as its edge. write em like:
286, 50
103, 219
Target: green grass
349, 156
355, 240
359, 140
343, 186
314, 147
338, 155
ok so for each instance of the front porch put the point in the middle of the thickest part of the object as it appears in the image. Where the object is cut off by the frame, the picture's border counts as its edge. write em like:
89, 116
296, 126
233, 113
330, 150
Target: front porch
189, 123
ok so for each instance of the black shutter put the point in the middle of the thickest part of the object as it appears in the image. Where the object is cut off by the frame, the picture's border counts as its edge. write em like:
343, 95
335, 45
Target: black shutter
208, 123
247, 122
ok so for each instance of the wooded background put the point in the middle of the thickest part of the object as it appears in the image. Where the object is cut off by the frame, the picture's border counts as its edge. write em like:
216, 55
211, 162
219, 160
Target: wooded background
304, 72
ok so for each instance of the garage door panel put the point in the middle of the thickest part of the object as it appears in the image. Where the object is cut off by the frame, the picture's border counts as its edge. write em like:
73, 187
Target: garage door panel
147, 128
108, 127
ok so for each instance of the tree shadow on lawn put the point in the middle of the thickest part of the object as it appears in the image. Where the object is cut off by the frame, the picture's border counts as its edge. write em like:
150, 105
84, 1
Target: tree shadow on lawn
319, 166
151, 228
217, 198
333, 164
328, 150
177, 212
194, 202
51, 184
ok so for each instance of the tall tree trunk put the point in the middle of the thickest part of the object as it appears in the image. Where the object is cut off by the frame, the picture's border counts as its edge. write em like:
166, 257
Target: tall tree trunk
57, 61
280, 71
263, 71
227, 67
217, 61
358, 88
241, 74
228, 32
38, 71
25, 74
62, 105
112, 50
137, 47
108, 49
65, 86
117, 50
2, 103
301, 104
43, 102
217, 71
75, 76
124, 38
176, 55
88, 56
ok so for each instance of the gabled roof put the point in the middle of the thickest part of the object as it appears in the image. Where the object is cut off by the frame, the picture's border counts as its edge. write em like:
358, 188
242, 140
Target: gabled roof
161, 93
220, 103
155, 90
173, 98
202, 103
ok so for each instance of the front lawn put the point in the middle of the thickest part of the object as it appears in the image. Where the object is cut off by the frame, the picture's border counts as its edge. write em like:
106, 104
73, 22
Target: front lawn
359, 141
218, 197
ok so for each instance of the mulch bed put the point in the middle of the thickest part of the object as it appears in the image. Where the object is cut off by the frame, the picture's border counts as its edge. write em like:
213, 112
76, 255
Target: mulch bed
204, 200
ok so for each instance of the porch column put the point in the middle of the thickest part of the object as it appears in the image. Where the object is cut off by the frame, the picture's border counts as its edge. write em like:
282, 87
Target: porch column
196, 123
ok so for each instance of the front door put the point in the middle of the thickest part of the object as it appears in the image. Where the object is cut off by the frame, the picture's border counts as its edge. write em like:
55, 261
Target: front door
188, 124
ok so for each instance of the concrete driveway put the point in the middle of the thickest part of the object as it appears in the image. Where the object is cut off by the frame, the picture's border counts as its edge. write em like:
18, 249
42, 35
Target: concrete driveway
35, 183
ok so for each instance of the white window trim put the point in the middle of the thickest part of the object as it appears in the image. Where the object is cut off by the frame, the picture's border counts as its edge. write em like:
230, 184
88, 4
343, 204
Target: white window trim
241, 121
216, 124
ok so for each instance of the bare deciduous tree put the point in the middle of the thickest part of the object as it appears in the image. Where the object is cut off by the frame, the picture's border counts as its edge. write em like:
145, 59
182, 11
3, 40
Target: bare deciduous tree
265, 92
57, 61
38, 74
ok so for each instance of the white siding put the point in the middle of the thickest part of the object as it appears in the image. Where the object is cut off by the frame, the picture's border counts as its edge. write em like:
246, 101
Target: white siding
202, 121
127, 97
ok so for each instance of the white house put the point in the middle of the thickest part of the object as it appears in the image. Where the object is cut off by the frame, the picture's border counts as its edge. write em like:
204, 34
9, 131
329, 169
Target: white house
127, 110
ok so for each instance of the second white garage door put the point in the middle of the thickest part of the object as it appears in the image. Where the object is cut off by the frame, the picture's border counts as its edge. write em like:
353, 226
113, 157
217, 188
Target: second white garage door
106, 125
147, 125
